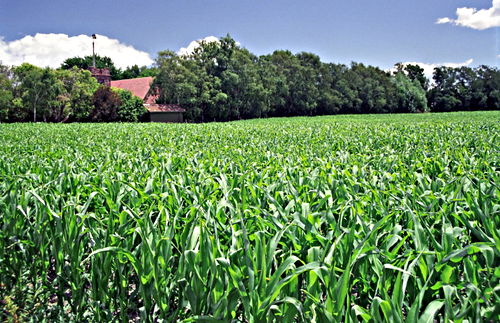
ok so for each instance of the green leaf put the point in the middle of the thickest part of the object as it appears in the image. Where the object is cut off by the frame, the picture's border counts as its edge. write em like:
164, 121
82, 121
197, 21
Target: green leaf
431, 311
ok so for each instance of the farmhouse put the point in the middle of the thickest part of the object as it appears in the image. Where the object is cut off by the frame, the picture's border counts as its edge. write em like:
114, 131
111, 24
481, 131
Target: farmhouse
141, 87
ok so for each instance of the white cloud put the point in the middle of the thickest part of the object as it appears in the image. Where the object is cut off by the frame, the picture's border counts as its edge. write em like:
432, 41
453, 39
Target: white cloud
429, 68
444, 20
52, 49
476, 19
185, 51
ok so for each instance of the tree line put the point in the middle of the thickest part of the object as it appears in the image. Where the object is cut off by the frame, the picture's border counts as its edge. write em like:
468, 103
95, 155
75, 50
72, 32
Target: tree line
222, 81
31, 93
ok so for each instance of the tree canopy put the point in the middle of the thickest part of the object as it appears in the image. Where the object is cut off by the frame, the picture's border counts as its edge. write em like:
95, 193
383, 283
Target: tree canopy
31, 93
221, 81
106, 62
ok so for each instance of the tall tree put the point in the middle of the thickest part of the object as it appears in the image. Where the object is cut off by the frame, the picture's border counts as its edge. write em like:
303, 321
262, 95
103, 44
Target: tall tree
74, 98
486, 88
131, 108
242, 83
330, 100
411, 97
37, 88
375, 89
6, 95
444, 95
298, 80
178, 82
414, 72
106, 104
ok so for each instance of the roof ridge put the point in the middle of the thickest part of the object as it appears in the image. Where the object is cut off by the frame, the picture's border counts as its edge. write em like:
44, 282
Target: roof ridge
139, 86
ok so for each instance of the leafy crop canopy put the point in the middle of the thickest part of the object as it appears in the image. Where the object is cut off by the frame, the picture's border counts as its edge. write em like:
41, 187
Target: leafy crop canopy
346, 218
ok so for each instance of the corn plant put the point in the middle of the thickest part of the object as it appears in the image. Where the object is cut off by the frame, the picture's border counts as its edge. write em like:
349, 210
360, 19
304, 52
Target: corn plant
386, 218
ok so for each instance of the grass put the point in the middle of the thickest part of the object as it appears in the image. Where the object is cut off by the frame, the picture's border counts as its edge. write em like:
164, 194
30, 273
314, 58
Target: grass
344, 218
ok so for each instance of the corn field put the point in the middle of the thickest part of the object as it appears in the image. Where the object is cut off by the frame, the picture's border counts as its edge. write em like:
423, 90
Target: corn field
388, 218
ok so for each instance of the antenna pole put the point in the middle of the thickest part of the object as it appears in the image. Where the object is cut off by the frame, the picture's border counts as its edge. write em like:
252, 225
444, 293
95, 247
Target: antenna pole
93, 54
93, 50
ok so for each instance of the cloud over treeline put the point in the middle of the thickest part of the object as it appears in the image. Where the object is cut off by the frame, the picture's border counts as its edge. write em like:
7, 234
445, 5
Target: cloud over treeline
52, 49
185, 51
429, 67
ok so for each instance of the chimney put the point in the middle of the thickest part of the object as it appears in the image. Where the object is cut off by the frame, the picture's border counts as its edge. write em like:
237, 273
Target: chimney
102, 75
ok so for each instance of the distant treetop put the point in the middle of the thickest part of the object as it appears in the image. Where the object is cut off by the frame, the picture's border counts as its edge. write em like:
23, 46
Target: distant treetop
106, 62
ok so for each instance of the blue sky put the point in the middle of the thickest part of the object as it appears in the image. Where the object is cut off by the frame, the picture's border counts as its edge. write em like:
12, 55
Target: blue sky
379, 33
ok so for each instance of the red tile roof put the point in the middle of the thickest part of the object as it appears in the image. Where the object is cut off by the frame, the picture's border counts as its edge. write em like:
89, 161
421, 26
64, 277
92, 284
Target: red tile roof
164, 108
139, 87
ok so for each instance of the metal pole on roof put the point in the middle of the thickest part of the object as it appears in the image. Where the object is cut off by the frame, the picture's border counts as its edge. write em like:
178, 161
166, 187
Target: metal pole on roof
93, 50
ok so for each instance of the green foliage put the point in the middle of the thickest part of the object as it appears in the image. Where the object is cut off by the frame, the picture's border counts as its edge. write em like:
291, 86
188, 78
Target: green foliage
410, 94
374, 89
74, 101
37, 89
106, 104
465, 88
87, 61
177, 82
351, 218
130, 72
414, 73
298, 72
136, 71
131, 108
51, 95
485, 88
6, 95
222, 81
64, 95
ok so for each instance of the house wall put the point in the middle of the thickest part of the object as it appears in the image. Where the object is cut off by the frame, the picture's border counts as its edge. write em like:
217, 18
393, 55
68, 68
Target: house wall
166, 117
